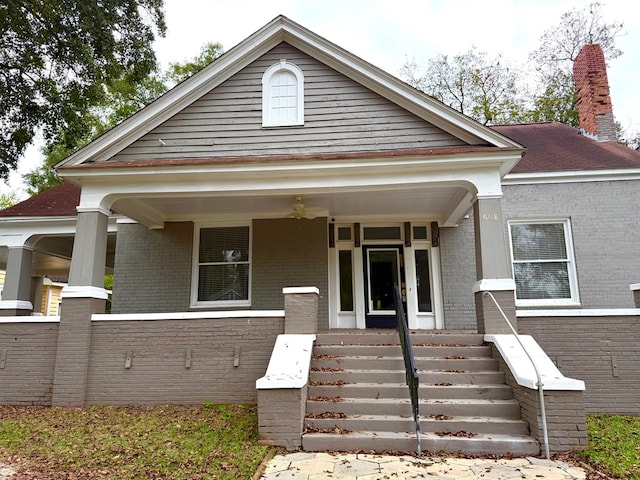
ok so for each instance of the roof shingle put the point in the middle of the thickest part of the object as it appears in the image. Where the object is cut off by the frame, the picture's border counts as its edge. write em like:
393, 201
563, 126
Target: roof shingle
58, 201
555, 147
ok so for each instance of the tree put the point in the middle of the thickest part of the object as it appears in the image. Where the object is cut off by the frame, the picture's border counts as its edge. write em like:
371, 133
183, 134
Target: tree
122, 97
553, 60
8, 200
484, 88
55, 59
490, 91
178, 72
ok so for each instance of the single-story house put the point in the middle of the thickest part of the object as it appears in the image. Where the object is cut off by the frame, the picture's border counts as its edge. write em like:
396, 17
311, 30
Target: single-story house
291, 178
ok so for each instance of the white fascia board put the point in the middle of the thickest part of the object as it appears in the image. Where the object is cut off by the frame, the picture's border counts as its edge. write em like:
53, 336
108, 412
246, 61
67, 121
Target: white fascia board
572, 176
106, 176
478, 174
18, 231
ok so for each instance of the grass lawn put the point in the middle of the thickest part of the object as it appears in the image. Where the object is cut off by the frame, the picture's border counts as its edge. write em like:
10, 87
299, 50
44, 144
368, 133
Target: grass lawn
198, 442
614, 442
168, 442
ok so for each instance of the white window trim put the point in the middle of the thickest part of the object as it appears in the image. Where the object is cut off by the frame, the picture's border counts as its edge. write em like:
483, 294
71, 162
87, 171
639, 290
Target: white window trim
282, 65
195, 269
574, 301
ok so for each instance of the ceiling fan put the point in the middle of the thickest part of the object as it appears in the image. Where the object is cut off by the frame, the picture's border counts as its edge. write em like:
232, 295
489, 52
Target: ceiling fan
299, 211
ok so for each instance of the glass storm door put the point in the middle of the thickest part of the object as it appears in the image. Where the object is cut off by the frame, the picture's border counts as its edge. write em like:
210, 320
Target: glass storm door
383, 270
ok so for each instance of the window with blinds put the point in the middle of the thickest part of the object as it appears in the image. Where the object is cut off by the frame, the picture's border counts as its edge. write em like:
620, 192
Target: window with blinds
543, 264
223, 266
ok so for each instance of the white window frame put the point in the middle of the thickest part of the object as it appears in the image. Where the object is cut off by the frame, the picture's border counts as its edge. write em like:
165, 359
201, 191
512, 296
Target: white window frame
574, 300
268, 119
195, 265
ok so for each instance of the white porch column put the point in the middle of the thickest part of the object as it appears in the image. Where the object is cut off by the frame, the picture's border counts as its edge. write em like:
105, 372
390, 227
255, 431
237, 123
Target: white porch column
84, 296
16, 295
492, 268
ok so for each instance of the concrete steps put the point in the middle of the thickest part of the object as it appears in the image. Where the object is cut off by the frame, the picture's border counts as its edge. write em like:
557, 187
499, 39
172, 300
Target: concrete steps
358, 399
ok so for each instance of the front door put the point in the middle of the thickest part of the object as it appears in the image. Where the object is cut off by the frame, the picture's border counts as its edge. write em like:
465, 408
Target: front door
383, 269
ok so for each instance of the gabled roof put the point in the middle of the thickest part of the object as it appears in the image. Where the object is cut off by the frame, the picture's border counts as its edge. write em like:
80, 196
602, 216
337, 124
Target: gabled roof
58, 201
281, 29
556, 147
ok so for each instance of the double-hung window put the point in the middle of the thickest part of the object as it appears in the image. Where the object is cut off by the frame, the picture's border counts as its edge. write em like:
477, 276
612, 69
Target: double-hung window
543, 263
222, 266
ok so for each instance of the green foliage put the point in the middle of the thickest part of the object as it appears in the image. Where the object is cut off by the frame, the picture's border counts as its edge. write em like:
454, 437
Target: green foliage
491, 91
8, 200
177, 72
169, 442
122, 97
556, 101
553, 60
614, 442
55, 58
483, 88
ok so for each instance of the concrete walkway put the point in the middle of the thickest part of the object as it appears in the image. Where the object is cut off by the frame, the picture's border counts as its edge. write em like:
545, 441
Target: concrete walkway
316, 466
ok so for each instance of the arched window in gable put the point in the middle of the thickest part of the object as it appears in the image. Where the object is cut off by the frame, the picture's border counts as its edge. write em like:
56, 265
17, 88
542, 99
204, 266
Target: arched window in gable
282, 95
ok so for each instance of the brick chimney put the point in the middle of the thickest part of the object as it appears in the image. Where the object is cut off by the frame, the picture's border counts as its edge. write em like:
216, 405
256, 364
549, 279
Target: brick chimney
592, 92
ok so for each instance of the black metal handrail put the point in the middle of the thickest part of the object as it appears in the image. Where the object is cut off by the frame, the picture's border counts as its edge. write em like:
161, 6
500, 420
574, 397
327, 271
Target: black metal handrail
413, 381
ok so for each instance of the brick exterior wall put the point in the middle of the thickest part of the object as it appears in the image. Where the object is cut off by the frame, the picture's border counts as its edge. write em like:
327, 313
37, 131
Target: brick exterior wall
603, 217
153, 268
290, 253
602, 351
565, 413
27, 361
159, 370
152, 271
457, 256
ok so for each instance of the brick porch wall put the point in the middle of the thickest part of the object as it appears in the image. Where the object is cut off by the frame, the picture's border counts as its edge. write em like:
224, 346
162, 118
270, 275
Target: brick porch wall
603, 351
227, 356
27, 362
565, 412
158, 371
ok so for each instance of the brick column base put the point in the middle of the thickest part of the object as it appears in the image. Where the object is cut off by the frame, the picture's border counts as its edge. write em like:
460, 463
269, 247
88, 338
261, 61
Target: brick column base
72, 355
300, 310
490, 321
281, 416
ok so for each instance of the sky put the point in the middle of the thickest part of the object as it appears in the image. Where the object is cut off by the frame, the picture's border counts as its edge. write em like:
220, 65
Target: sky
387, 33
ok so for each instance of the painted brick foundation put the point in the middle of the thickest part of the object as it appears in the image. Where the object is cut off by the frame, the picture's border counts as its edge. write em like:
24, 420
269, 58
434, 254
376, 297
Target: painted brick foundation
565, 412
27, 360
281, 416
143, 362
602, 351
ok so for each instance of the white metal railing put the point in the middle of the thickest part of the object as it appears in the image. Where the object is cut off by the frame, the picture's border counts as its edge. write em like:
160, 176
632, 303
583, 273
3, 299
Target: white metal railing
539, 383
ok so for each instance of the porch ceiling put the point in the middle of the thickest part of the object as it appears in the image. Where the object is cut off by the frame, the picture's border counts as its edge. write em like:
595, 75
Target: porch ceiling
433, 203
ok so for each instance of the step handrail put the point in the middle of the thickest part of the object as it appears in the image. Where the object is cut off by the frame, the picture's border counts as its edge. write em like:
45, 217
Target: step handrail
411, 372
539, 383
